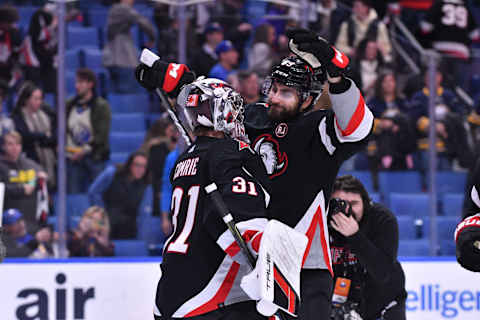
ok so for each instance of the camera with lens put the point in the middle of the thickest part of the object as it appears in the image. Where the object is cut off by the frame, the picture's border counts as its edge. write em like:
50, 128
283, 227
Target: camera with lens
339, 205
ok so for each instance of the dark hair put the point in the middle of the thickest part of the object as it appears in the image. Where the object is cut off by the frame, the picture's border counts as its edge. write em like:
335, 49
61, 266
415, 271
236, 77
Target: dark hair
349, 183
124, 169
9, 14
25, 92
379, 83
88, 75
158, 128
261, 33
243, 75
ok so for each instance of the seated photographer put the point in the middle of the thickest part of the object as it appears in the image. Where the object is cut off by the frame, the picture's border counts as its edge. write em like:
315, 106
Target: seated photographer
91, 238
369, 280
20, 243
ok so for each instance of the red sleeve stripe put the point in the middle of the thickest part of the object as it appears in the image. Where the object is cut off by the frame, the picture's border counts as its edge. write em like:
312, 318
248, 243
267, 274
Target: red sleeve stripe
356, 119
233, 249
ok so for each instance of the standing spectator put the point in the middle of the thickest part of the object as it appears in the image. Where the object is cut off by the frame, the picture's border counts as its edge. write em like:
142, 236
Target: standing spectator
88, 129
161, 139
262, 56
227, 60
319, 16
20, 176
36, 124
10, 43
120, 191
20, 242
364, 249
362, 24
40, 48
249, 86
6, 123
449, 27
91, 238
120, 54
206, 57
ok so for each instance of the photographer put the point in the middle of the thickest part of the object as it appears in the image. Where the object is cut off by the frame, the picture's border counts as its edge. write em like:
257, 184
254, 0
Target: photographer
369, 281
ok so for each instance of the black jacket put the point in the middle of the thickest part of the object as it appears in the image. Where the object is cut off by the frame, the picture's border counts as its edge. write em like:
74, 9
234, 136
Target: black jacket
377, 276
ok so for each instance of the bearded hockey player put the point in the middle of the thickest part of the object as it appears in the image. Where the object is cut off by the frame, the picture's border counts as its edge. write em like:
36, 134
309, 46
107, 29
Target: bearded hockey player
304, 149
203, 269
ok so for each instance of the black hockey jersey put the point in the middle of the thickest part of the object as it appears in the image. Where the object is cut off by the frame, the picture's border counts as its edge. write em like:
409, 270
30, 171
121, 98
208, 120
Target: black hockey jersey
450, 27
472, 198
302, 158
198, 275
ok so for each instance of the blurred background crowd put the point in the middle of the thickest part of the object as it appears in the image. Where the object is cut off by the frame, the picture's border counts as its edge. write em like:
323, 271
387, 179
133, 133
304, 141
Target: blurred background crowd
120, 144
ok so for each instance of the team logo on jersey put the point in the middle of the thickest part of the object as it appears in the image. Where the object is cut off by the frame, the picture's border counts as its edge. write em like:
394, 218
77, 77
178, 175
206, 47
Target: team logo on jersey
281, 130
275, 162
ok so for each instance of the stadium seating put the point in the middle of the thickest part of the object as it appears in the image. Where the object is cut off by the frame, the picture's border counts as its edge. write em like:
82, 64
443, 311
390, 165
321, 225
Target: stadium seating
406, 228
452, 204
83, 37
73, 59
93, 58
364, 176
128, 122
450, 181
70, 83
445, 227
399, 181
97, 18
417, 247
130, 248
129, 102
412, 204
447, 247
76, 204
375, 196
25, 13
126, 142
118, 157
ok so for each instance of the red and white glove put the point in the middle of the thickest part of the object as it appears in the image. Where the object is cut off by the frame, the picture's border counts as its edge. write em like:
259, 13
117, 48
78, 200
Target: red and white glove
169, 77
467, 239
317, 52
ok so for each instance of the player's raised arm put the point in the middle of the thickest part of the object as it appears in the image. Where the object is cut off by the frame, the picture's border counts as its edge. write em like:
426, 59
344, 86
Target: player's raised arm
354, 120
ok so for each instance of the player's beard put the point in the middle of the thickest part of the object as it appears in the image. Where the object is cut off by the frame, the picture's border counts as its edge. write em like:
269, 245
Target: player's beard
280, 113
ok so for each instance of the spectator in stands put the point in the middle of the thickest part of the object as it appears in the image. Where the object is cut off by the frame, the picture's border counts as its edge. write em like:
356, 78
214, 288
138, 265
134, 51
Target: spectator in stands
40, 48
6, 123
249, 86
262, 55
20, 242
319, 16
167, 32
36, 123
20, 176
88, 129
387, 95
120, 189
364, 245
91, 238
160, 140
206, 57
120, 54
449, 27
369, 64
227, 60
362, 24
10, 43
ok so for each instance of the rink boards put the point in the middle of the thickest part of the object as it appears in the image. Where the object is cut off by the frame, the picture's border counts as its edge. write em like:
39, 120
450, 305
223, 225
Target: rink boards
124, 289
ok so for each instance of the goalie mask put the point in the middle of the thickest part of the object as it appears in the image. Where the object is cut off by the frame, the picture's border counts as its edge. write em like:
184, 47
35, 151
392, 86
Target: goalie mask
295, 73
213, 103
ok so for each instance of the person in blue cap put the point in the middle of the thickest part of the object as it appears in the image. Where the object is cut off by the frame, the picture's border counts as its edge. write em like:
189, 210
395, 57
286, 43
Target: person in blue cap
227, 60
19, 242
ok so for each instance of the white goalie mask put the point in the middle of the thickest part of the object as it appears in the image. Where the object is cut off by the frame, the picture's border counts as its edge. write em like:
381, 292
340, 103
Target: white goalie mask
213, 103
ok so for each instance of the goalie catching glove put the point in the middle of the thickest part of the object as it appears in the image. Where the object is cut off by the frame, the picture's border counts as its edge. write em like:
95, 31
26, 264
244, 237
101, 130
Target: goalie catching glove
170, 77
317, 52
467, 239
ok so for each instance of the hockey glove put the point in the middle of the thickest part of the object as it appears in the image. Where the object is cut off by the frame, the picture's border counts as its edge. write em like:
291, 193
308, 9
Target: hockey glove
167, 76
467, 238
317, 52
